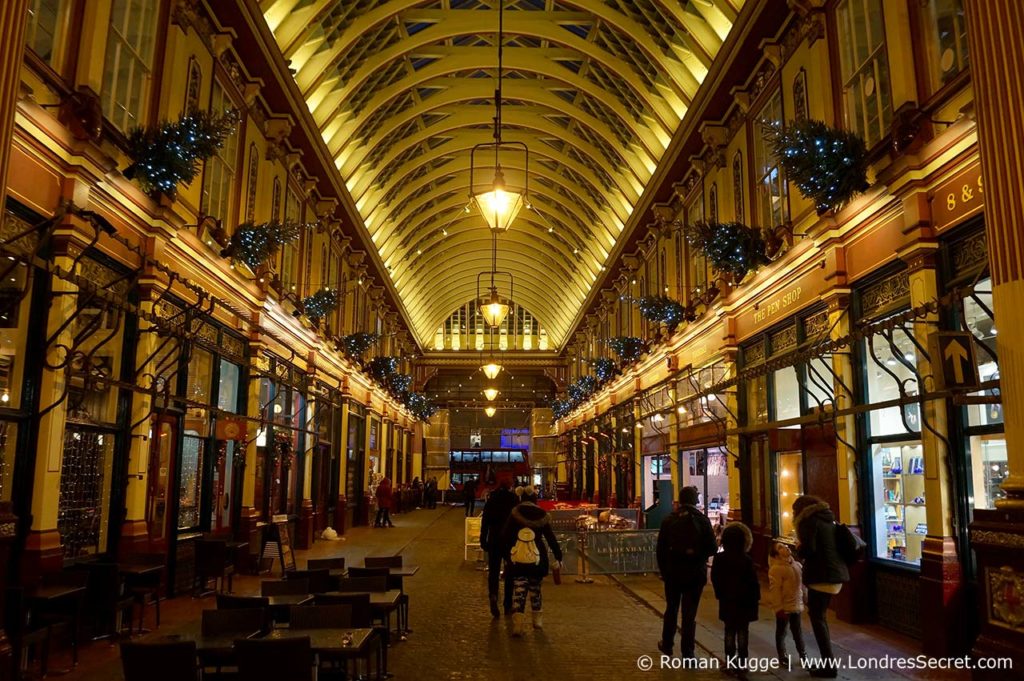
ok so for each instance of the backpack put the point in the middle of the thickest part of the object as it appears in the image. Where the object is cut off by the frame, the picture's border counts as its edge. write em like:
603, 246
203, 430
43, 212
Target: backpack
526, 552
685, 540
849, 545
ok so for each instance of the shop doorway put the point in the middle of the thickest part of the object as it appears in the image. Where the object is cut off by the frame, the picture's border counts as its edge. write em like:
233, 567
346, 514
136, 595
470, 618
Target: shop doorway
706, 468
160, 512
656, 467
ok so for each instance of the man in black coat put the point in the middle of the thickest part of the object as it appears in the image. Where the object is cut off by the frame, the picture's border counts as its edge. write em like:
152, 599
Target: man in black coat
499, 505
824, 570
469, 496
685, 542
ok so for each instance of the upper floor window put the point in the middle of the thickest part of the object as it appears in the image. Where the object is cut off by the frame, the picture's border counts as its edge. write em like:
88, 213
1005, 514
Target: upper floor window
865, 67
219, 174
772, 190
290, 251
127, 71
947, 39
697, 264
44, 21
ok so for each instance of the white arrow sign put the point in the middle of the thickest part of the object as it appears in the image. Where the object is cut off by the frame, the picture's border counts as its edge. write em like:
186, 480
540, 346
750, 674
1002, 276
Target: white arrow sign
957, 354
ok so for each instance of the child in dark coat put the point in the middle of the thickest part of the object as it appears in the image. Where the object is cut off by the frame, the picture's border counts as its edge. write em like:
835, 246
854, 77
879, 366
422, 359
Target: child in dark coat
738, 592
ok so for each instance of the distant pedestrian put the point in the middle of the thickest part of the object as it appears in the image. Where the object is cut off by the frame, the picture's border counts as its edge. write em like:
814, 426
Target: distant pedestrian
824, 571
499, 505
385, 500
734, 578
417, 492
469, 496
526, 539
685, 542
430, 493
786, 596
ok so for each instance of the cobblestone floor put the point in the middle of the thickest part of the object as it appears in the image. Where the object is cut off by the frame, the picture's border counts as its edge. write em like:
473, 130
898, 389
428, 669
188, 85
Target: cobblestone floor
591, 631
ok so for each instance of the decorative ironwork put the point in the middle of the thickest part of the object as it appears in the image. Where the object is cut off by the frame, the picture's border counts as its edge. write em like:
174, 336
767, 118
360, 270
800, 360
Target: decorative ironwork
816, 326
737, 185
753, 354
1006, 594
891, 291
970, 254
80, 500
782, 340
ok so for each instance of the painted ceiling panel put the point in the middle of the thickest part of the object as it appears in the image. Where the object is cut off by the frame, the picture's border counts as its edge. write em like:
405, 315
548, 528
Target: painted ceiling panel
403, 90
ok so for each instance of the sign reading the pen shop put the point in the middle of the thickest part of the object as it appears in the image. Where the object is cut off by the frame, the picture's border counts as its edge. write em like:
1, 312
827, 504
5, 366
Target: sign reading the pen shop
957, 198
954, 352
786, 300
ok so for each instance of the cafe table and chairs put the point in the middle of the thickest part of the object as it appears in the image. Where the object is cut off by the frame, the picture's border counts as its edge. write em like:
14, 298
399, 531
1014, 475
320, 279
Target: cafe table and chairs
340, 644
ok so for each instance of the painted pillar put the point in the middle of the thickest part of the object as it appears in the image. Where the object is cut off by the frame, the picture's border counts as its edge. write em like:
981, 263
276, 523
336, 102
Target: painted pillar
994, 28
249, 516
340, 507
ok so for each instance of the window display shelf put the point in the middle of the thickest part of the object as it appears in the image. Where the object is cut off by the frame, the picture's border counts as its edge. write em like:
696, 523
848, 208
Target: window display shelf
899, 501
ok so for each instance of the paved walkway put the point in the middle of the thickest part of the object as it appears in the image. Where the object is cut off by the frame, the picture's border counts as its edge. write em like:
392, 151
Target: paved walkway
592, 631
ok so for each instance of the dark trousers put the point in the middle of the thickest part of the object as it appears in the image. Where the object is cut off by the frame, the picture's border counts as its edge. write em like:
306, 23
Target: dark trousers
493, 574
685, 598
383, 518
737, 637
470, 507
817, 608
790, 620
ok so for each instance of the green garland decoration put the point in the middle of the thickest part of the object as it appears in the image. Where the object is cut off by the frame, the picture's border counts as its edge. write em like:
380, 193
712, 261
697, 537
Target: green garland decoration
628, 348
168, 154
662, 310
355, 345
320, 304
828, 165
398, 384
560, 408
382, 369
604, 369
255, 244
421, 406
729, 246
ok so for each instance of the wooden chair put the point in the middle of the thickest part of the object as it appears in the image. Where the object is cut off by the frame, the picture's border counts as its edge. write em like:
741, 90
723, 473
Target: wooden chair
358, 604
319, 580
145, 588
377, 562
212, 562
25, 639
172, 661
337, 563
235, 621
320, 617
107, 600
286, 659
229, 602
284, 587
363, 584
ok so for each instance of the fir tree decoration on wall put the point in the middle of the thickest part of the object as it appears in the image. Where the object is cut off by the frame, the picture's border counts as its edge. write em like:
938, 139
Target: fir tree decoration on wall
420, 406
255, 244
168, 154
730, 247
828, 165
320, 304
355, 345
382, 369
398, 384
628, 348
604, 369
662, 310
582, 389
560, 408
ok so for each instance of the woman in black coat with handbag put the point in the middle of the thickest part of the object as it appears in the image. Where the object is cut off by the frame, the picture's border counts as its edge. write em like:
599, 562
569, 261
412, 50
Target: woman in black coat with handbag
825, 570
527, 537
734, 578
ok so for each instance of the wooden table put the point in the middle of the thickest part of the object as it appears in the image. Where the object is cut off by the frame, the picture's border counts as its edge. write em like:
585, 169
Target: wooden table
327, 643
403, 571
216, 645
145, 577
55, 596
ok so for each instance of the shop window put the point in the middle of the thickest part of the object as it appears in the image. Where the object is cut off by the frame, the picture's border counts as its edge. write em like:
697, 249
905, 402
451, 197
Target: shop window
947, 39
786, 386
8, 440
44, 18
127, 71
757, 400
789, 484
890, 362
900, 521
865, 68
159, 482
772, 190
229, 386
15, 287
219, 170
83, 498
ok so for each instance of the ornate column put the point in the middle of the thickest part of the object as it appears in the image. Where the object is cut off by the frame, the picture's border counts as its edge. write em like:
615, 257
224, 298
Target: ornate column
248, 518
994, 28
12, 26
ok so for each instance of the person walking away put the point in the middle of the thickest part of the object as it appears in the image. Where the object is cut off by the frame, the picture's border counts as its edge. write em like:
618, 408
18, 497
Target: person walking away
469, 496
786, 595
499, 505
417, 492
734, 579
385, 499
526, 539
685, 542
824, 571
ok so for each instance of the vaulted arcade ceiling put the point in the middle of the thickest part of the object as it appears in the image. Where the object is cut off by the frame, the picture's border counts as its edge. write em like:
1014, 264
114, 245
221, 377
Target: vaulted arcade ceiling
403, 89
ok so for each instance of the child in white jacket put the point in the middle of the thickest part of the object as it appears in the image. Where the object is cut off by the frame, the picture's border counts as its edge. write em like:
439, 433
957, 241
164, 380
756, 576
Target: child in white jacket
786, 596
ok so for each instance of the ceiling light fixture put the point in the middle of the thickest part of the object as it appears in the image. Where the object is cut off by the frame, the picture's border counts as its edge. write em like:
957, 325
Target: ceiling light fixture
490, 393
490, 411
498, 204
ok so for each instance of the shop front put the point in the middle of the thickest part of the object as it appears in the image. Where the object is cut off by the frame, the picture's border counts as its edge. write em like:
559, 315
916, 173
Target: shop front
355, 465
703, 457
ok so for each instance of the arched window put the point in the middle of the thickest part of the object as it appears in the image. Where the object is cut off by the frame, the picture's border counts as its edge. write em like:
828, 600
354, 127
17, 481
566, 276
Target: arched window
194, 88
127, 69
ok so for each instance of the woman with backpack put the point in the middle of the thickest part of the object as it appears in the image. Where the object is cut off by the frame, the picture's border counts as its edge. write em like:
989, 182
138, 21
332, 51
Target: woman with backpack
527, 537
824, 572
